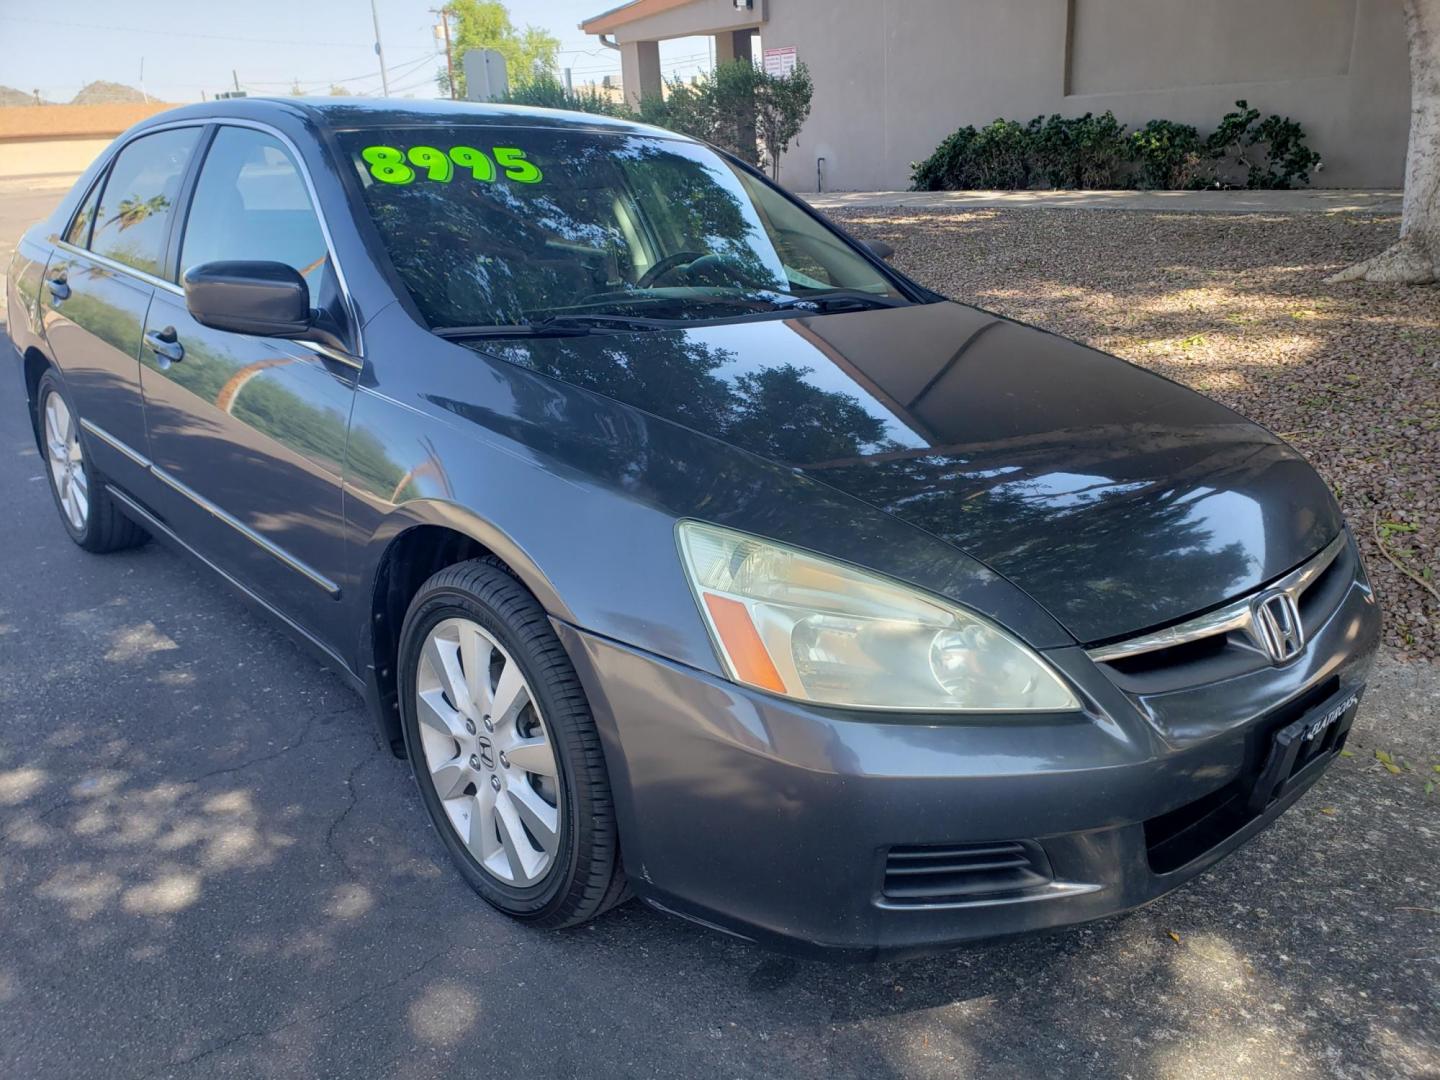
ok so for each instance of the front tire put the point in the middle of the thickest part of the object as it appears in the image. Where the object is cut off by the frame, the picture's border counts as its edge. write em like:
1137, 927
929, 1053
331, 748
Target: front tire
504, 749
91, 517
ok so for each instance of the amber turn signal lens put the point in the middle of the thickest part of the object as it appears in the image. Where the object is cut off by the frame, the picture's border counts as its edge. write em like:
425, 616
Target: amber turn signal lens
742, 643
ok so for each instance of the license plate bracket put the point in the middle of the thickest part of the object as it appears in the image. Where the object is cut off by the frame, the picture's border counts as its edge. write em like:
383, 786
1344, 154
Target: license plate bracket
1304, 746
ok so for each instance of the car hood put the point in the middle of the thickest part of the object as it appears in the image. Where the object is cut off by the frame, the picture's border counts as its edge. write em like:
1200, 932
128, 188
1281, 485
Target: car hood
1119, 500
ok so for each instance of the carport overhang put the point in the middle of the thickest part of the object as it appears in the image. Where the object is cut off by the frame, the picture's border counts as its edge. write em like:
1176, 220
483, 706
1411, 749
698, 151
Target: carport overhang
639, 26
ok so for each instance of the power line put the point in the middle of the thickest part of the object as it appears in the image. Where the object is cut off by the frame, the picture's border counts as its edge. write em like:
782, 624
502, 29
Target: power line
370, 74
397, 71
191, 34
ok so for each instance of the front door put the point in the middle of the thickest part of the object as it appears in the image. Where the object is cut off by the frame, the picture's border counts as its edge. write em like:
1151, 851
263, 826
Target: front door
248, 434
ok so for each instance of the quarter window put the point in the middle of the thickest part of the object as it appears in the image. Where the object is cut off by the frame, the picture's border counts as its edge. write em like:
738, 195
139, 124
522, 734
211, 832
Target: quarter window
134, 215
79, 232
251, 204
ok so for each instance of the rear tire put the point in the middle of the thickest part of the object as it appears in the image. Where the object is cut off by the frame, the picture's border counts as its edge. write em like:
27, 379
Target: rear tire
91, 517
506, 754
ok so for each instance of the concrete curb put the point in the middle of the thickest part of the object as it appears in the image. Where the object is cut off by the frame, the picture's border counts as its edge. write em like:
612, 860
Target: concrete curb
1309, 200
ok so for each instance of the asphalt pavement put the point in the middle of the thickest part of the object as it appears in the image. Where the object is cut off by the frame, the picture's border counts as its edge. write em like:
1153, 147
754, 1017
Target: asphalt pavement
209, 868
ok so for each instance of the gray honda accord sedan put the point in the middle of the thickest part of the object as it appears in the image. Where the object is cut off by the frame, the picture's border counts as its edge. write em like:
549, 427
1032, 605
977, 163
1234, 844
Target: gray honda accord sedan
685, 548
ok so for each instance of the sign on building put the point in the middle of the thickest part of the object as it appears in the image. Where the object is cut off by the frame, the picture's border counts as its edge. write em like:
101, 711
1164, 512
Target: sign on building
780, 61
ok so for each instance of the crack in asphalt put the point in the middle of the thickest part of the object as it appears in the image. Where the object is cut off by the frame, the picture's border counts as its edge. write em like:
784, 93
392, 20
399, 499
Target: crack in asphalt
264, 1033
330, 844
310, 723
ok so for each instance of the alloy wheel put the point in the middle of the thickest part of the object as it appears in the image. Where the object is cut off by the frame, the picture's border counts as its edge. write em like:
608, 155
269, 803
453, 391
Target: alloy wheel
488, 753
67, 461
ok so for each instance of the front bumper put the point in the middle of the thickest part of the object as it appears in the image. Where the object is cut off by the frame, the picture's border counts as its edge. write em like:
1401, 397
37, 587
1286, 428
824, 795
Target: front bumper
774, 820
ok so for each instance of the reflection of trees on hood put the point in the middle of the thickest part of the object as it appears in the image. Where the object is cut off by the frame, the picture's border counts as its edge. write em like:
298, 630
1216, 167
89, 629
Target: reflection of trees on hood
1087, 515
775, 412
1007, 514
572, 418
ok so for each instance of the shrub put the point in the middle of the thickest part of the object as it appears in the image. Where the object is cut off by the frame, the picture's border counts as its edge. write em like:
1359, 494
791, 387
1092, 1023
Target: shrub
548, 92
1000, 155
1094, 152
1169, 155
1100, 154
949, 167
1272, 152
1287, 158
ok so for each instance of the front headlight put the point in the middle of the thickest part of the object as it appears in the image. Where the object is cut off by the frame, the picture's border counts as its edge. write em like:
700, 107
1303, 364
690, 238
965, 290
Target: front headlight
810, 628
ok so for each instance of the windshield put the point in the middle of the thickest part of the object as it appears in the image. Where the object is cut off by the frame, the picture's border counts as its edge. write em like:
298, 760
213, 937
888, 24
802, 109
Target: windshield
502, 226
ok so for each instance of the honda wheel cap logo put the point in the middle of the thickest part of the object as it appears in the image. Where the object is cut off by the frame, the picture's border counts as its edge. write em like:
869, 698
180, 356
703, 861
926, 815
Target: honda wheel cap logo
1277, 624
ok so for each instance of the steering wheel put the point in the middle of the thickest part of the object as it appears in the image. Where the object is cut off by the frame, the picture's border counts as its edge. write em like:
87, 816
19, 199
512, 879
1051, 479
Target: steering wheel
665, 265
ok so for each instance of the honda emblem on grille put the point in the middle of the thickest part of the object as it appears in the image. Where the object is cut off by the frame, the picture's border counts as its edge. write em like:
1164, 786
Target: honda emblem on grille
1277, 624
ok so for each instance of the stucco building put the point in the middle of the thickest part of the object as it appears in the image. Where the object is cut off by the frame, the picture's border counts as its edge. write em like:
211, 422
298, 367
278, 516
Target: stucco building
894, 77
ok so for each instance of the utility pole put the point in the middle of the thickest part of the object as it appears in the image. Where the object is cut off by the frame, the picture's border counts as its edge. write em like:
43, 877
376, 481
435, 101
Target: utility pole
236, 79
379, 51
449, 61
143, 94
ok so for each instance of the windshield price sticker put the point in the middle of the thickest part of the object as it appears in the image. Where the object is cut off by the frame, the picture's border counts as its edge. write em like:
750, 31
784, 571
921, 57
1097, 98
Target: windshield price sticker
391, 165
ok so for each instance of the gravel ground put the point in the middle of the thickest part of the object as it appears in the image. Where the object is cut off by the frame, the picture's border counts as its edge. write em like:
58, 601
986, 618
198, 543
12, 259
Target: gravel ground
1234, 306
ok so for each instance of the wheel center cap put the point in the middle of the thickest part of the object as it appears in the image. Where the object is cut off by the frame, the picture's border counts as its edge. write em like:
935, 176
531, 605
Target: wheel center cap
486, 752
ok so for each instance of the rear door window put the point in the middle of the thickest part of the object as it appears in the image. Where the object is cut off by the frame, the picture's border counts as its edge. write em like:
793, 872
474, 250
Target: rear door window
133, 220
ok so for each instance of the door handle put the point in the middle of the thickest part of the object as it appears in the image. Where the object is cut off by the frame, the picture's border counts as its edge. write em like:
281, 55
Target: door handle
59, 288
163, 344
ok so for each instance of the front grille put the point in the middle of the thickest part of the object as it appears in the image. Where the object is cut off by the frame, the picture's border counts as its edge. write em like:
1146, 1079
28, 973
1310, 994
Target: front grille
959, 872
1224, 643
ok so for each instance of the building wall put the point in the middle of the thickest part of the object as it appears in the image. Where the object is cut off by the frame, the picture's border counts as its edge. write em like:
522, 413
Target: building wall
49, 157
44, 139
894, 77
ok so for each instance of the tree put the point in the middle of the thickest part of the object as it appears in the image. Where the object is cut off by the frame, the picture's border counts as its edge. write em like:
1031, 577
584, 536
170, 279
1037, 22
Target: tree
781, 107
732, 105
485, 24
1415, 258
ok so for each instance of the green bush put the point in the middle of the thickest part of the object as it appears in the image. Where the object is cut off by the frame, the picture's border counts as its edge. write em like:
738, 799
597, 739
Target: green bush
1081, 152
1001, 155
547, 92
1095, 152
949, 167
1169, 155
1281, 158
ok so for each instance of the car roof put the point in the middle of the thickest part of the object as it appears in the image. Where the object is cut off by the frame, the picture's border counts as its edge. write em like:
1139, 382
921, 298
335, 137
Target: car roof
356, 112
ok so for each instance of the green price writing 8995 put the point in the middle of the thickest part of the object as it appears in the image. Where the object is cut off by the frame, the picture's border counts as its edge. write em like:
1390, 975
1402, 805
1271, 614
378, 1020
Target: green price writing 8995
391, 165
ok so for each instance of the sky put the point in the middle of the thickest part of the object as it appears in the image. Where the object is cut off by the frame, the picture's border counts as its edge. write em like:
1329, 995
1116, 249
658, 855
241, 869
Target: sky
191, 46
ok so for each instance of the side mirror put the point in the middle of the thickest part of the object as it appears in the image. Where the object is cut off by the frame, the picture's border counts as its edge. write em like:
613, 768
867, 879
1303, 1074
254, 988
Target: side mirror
878, 248
267, 299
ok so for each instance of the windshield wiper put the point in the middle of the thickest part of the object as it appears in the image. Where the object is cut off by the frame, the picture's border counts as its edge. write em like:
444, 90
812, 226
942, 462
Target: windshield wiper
554, 326
838, 300
580, 324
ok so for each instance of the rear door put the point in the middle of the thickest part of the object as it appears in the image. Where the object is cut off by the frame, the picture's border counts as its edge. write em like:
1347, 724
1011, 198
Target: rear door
248, 434
99, 284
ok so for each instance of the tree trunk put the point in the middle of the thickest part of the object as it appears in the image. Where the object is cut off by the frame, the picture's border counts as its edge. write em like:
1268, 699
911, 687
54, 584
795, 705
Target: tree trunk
1416, 258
